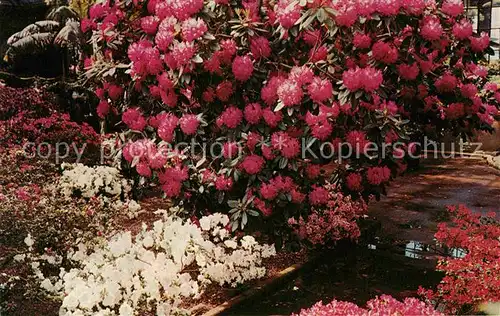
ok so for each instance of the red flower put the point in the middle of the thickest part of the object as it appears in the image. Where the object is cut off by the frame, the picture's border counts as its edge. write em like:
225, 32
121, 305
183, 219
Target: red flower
378, 175
134, 119
354, 181
242, 68
189, 124
253, 164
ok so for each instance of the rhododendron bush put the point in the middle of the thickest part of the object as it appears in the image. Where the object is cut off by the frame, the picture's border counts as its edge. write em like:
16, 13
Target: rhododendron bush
475, 278
266, 80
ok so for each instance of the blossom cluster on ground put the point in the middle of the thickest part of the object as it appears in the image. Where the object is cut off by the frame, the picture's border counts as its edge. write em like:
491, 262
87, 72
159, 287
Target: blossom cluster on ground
383, 305
155, 270
474, 278
264, 79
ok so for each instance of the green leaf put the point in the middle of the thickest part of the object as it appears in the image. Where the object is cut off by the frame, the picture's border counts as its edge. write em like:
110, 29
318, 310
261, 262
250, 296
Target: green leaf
279, 106
283, 162
244, 220
234, 226
197, 59
252, 212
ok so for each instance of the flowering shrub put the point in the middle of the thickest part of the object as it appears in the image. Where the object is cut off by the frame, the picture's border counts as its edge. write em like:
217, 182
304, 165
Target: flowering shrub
90, 182
268, 79
127, 275
333, 217
13, 101
474, 278
31, 115
383, 305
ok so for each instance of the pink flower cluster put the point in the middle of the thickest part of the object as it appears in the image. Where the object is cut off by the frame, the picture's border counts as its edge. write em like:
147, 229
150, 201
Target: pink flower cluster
472, 279
333, 218
383, 305
368, 79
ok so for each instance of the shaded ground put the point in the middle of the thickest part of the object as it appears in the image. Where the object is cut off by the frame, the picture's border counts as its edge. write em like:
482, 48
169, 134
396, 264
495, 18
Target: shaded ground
394, 256
354, 274
416, 202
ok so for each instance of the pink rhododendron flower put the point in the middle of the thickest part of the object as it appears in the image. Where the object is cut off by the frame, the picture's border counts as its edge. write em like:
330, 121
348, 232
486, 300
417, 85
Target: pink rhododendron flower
193, 29
166, 33
212, 64
368, 79
378, 175
468, 90
253, 113
242, 68
261, 206
346, 15
134, 119
462, 29
384, 52
259, 46
230, 150
479, 44
320, 90
272, 118
455, 110
231, 117
408, 72
383, 305
223, 183
362, 40
166, 127
318, 196
318, 54
252, 140
290, 93
189, 124
302, 75
115, 92
269, 91
313, 171
453, 7
183, 52
446, 83
358, 140
354, 182
224, 90
287, 14
269, 191
103, 109
288, 146
431, 29
149, 24
228, 50
143, 169
186, 8
252, 164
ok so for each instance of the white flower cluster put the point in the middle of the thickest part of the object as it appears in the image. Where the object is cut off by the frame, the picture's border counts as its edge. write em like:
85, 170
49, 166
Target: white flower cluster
128, 274
92, 181
233, 267
103, 182
52, 284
